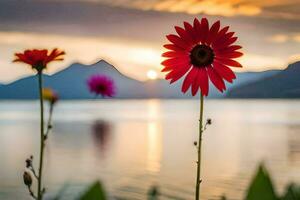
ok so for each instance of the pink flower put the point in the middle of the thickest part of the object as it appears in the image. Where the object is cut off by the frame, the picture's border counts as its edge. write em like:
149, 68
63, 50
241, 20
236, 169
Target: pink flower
101, 85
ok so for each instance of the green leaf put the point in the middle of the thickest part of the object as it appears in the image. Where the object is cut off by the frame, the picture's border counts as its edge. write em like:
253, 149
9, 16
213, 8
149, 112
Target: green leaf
223, 197
153, 193
261, 187
292, 193
94, 192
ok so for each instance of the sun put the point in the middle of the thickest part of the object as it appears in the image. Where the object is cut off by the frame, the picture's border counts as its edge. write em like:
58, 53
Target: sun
152, 74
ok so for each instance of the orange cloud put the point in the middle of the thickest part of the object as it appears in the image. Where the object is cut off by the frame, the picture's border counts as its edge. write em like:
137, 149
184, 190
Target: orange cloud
228, 8
278, 38
283, 38
210, 7
296, 37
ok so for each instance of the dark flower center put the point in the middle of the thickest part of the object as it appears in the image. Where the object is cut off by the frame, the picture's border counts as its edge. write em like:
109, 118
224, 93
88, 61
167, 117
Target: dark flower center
39, 65
202, 56
101, 88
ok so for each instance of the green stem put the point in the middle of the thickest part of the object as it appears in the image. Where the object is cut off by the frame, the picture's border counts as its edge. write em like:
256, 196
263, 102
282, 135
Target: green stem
39, 191
49, 124
198, 180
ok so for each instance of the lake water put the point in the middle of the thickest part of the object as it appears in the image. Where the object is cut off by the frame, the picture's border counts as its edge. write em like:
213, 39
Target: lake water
131, 145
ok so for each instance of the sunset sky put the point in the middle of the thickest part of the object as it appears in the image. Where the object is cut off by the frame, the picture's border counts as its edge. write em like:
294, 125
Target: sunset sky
130, 33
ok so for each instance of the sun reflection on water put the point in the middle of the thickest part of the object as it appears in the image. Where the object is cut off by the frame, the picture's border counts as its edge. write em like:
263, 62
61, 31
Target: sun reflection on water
154, 136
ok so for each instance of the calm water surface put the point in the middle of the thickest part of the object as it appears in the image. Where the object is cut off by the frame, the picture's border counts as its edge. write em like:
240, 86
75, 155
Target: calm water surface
131, 145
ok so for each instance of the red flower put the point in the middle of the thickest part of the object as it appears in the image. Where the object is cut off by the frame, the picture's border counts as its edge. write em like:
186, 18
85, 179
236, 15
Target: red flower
39, 59
203, 53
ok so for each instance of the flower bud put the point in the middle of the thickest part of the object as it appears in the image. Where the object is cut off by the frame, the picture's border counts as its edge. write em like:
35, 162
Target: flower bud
28, 163
195, 143
209, 121
27, 179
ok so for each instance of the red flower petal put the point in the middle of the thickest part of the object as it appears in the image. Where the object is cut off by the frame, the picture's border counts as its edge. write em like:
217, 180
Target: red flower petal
172, 64
166, 69
201, 81
177, 73
197, 29
189, 79
204, 30
213, 32
204, 83
229, 62
216, 79
176, 54
190, 31
178, 41
224, 71
176, 61
222, 32
184, 35
22, 58
219, 43
54, 55
228, 49
196, 84
173, 47
233, 54
229, 42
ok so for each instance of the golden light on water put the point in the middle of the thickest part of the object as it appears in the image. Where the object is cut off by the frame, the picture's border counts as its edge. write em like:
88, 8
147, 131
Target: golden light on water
149, 144
154, 136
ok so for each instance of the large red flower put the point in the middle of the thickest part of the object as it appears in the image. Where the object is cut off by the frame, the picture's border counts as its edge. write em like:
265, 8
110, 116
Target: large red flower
39, 59
203, 53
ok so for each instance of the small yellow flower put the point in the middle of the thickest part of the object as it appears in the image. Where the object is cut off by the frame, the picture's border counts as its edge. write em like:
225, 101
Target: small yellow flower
50, 95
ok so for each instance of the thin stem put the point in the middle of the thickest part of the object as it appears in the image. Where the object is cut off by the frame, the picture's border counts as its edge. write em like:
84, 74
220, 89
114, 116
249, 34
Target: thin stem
39, 191
31, 192
198, 180
33, 172
49, 124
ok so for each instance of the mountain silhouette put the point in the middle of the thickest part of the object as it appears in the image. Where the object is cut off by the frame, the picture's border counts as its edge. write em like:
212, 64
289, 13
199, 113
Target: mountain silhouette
285, 84
70, 83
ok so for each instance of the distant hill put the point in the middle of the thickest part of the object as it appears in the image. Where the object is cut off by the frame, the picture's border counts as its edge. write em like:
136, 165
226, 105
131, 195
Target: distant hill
285, 84
70, 83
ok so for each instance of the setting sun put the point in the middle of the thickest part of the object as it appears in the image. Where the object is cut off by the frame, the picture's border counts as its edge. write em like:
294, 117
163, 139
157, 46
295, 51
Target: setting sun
151, 74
